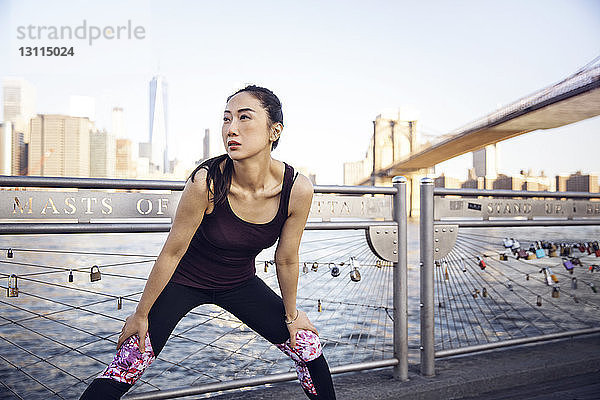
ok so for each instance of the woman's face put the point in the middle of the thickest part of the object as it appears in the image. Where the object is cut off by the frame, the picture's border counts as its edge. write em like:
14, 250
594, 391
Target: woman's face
246, 129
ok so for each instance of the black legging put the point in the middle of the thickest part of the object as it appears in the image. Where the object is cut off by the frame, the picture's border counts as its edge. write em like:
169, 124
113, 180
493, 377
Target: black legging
252, 302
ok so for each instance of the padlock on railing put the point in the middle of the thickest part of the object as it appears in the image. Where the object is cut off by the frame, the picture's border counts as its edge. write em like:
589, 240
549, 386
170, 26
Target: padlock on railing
568, 265
503, 257
582, 248
531, 256
521, 254
315, 266
9, 253
13, 288
355, 273
335, 270
266, 266
305, 269
119, 303
568, 250
70, 275
319, 307
552, 250
539, 301
554, 278
555, 292
95, 274
481, 263
508, 243
539, 251
446, 276
547, 276
596, 249
573, 283
484, 293
516, 246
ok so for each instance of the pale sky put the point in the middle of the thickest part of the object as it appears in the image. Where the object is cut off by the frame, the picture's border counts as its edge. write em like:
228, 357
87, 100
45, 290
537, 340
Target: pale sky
335, 65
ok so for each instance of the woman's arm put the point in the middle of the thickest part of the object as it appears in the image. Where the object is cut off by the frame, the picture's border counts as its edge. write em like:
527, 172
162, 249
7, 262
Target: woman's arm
189, 214
286, 255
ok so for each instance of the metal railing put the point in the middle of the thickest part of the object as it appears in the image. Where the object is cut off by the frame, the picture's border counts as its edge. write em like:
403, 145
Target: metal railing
453, 269
399, 237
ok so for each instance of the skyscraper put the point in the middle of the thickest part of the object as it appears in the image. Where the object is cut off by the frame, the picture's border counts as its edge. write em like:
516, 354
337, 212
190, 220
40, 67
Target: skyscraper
6, 154
118, 123
158, 125
19, 104
206, 144
485, 164
124, 162
102, 154
60, 145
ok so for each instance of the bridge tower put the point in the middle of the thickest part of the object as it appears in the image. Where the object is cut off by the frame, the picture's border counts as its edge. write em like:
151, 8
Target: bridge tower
394, 138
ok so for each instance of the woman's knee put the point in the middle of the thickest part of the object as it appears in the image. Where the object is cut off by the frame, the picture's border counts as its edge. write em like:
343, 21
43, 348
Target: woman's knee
129, 363
308, 346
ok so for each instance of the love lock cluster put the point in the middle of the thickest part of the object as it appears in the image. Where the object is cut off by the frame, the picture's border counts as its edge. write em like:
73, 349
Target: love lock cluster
335, 269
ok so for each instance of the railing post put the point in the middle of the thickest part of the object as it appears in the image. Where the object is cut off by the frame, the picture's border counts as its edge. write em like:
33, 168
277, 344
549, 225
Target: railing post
401, 283
426, 278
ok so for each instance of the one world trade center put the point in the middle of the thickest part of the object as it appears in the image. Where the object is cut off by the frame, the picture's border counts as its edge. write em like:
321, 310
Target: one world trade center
158, 125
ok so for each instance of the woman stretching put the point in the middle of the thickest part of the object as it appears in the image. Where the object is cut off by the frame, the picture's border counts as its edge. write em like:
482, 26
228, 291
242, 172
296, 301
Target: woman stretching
232, 207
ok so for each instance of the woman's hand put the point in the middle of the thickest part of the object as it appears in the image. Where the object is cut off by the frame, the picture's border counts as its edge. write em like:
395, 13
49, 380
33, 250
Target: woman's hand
135, 323
301, 322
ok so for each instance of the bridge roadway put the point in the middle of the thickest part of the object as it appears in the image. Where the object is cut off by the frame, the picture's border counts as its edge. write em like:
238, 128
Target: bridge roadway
579, 105
560, 369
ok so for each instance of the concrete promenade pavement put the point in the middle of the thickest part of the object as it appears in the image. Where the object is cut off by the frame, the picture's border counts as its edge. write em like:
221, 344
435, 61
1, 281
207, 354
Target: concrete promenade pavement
560, 369
556, 370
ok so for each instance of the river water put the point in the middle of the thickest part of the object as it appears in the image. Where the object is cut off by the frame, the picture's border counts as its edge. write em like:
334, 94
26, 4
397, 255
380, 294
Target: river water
57, 335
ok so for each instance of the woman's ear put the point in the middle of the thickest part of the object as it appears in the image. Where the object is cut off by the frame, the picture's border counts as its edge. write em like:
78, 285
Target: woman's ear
275, 133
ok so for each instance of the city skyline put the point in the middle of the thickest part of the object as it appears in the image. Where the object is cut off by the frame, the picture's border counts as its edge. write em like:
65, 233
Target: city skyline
108, 146
450, 79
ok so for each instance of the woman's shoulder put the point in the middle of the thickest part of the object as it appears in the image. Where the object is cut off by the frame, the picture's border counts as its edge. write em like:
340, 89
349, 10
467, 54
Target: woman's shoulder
197, 181
302, 190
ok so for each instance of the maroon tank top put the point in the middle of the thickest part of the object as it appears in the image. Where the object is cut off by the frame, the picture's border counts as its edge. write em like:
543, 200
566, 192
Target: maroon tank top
222, 252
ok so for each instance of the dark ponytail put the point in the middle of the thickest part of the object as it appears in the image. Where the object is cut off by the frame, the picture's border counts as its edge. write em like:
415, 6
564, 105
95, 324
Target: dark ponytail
221, 181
